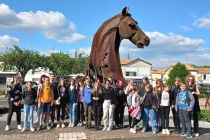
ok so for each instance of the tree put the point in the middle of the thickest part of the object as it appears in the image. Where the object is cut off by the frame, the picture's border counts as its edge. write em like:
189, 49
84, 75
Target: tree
178, 71
61, 64
23, 60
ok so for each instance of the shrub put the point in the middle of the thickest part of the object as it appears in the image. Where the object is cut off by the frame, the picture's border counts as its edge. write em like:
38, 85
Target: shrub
205, 115
203, 90
2, 92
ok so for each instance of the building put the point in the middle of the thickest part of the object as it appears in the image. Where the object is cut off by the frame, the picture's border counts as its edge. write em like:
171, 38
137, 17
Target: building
136, 69
157, 74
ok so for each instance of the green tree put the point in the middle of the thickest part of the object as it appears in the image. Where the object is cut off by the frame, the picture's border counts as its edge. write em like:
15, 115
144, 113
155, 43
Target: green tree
22, 60
60, 63
179, 70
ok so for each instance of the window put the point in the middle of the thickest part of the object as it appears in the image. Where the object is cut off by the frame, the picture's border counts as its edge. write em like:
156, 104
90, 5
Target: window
2, 80
204, 77
128, 73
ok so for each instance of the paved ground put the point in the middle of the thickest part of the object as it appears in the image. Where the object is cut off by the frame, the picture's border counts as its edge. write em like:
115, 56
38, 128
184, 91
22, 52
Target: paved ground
82, 133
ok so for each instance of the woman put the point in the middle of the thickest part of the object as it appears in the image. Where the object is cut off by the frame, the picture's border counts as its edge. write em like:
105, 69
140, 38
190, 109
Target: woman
97, 98
108, 106
80, 106
72, 105
193, 88
61, 102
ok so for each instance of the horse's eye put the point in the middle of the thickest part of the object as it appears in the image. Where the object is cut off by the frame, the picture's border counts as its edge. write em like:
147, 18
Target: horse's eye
132, 25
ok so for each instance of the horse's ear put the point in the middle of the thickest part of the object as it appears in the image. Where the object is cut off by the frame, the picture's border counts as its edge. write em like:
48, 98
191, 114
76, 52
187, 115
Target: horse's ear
125, 11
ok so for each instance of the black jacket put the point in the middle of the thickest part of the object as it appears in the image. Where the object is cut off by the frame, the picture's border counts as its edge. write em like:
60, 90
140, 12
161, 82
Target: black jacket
174, 91
100, 98
15, 93
29, 97
73, 95
109, 95
121, 98
64, 98
54, 87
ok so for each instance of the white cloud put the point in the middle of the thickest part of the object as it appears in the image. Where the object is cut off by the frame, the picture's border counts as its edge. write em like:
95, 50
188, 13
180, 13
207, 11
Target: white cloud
48, 52
7, 41
203, 22
85, 51
186, 28
53, 25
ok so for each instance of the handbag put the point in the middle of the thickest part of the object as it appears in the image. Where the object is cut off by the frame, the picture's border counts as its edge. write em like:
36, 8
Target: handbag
135, 111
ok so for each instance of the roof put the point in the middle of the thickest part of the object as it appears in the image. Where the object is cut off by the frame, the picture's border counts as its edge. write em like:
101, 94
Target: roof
160, 71
203, 70
124, 61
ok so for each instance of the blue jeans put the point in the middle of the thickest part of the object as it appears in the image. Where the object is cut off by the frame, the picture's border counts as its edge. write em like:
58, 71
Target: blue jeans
28, 111
149, 113
185, 120
72, 112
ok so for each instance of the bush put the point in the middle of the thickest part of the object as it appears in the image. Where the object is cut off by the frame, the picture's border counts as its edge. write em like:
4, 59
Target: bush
2, 92
205, 115
203, 90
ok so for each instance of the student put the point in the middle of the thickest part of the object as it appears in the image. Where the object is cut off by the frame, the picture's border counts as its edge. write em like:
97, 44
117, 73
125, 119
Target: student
54, 86
150, 106
97, 99
61, 102
184, 105
46, 99
29, 97
87, 100
80, 106
121, 100
38, 109
14, 100
174, 91
136, 109
193, 87
72, 105
108, 106
165, 109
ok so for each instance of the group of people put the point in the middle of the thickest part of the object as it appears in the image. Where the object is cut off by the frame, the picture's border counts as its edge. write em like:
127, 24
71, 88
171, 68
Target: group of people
84, 100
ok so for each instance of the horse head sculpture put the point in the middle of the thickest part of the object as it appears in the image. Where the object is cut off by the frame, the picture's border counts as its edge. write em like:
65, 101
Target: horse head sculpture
104, 58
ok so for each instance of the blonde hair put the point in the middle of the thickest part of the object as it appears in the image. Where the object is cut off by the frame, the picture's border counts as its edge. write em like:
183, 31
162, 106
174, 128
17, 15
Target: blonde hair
95, 88
149, 87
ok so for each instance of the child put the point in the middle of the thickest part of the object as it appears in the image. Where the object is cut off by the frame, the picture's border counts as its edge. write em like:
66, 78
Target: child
46, 97
150, 106
184, 105
80, 106
29, 97
97, 104
136, 111
165, 109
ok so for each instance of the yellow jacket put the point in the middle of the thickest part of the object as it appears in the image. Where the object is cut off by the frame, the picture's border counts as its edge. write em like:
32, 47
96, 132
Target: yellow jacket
46, 95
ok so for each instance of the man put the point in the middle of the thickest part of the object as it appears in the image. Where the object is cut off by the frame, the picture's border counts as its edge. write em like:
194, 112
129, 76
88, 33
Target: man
14, 99
54, 87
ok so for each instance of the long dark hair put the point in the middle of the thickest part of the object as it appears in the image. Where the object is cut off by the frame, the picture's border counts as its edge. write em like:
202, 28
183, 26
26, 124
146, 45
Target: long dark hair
42, 76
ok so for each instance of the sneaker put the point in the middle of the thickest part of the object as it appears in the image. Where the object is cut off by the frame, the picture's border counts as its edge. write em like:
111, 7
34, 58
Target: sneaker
58, 126
24, 129
69, 124
164, 131
189, 136
143, 130
52, 124
19, 127
105, 128
63, 125
39, 128
109, 128
7, 128
32, 129
49, 127
72, 125
37, 120
132, 131
167, 131
196, 134
154, 132
183, 134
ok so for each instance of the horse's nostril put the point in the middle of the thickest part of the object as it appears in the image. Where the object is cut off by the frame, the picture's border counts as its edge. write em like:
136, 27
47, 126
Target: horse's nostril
147, 41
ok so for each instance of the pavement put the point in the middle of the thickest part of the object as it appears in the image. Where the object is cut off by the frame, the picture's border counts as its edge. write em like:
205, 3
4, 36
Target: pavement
80, 133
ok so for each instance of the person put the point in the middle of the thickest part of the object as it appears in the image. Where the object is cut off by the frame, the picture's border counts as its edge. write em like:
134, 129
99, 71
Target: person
14, 99
108, 106
158, 92
87, 100
61, 102
121, 101
193, 87
45, 101
97, 98
136, 110
129, 92
72, 105
145, 81
29, 97
80, 106
150, 106
54, 86
184, 105
174, 91
38, 109
165, 109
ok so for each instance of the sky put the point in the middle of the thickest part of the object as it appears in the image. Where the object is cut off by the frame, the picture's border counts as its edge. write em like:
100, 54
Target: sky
179, 30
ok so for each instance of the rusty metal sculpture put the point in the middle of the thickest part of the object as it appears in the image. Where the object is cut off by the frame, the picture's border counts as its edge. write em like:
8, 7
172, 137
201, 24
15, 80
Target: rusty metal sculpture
104, 57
